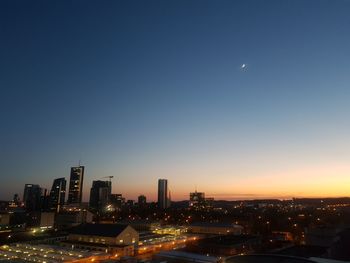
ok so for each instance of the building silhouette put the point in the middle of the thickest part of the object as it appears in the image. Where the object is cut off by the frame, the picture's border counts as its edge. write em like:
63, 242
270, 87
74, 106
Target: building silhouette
58, 193
100, 194
75, 193
163, 200
32, 197
197, 199
142, 201
117, 201
14, 203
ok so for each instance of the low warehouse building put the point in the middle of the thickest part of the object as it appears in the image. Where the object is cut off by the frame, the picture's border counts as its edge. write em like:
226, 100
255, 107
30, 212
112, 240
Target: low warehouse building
110, 238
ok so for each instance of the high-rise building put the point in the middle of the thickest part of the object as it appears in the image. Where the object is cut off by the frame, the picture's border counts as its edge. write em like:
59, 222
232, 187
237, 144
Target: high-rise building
32, 197
58, 193
75, 193
142, 201
117, 201
44, 200
100, 194
163, 200
197, 199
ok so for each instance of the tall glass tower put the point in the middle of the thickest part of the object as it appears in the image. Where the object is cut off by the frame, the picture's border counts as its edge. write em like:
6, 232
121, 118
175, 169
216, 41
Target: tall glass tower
75, 193
163, 202
58, 193
100, 194
32, 197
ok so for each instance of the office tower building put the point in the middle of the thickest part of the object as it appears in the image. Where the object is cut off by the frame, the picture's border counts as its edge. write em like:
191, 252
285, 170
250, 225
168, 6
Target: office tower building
58, 193
32, 197
163, 200
142, 201
117, 201
44, 200
75, 192
197, 199
99, 194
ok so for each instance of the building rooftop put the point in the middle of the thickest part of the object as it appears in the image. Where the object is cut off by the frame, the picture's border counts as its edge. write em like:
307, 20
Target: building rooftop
94, 244
107, 230
24, 252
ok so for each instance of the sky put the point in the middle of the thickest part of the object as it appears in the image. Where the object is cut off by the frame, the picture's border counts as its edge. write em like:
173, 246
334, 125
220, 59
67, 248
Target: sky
142, 90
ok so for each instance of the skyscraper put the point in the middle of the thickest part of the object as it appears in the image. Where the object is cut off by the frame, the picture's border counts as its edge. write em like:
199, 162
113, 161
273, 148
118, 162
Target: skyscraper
75, 193
58, 193
44, 200
99, 194
142, 201
32, 197
197, 199
117, 201
163, 202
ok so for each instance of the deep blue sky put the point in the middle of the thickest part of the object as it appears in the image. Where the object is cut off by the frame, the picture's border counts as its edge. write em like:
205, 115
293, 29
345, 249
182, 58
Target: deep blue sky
154, 89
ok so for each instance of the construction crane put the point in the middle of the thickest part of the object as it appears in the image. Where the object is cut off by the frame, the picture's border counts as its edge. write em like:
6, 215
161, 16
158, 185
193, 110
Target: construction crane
109, 177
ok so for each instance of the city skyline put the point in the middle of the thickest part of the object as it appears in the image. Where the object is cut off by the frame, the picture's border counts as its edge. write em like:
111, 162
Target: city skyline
243, 99
153, 196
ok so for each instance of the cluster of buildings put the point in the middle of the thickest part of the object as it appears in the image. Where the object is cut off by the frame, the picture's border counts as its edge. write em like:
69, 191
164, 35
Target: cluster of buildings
199, 201
192, 231
102, 200
62, 207
36, 198
60, 229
